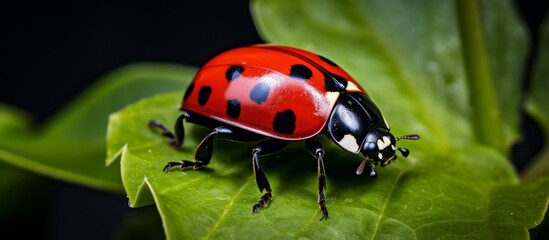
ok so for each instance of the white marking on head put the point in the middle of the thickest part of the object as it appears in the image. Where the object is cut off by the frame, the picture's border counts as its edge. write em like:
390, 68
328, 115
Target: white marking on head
380, 156
383, 142
348, 142
380, 144
393, 147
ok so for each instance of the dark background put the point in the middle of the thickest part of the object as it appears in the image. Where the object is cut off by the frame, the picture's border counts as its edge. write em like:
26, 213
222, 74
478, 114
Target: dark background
51, 51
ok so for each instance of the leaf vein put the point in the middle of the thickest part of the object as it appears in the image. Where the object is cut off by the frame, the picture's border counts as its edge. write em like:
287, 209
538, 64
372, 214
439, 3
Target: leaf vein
385, 203
228, 208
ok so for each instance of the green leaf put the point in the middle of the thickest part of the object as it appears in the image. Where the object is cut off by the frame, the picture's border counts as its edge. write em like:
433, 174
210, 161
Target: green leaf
536, 104
409, 58
426, 195
71, 145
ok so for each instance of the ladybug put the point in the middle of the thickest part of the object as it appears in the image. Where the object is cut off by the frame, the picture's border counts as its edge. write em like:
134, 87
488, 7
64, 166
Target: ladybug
277, 94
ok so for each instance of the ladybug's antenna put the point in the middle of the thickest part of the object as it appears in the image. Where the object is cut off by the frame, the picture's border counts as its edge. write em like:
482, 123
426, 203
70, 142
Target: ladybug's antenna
409, 137
405, 151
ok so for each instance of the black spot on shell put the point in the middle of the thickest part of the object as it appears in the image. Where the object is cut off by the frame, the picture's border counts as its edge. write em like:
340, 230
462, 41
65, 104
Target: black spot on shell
204, 95
300, 72
233, 108
260, 92
328, 61
284, 122
334, 83
188, 91
234, 72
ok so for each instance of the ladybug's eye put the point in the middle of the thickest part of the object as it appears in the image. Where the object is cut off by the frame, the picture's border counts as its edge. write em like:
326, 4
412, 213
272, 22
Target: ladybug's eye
369, 147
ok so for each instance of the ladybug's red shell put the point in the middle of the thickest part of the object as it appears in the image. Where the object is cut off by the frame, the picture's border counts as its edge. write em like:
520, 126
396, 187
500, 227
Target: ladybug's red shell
275, 91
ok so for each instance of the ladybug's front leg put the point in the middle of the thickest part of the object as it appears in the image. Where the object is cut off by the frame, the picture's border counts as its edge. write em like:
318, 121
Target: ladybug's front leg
204, 151
263, 148
315, 148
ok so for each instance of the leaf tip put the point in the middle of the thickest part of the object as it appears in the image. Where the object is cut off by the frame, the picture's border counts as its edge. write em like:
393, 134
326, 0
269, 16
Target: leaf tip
116, 156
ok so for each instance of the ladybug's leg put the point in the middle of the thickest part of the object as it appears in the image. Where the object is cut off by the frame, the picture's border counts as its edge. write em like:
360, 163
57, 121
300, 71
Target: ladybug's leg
204, 151
316, 149
176, 139
263, 148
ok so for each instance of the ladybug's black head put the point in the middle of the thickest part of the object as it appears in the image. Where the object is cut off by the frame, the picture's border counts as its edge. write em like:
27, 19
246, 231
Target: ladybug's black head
380, 147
